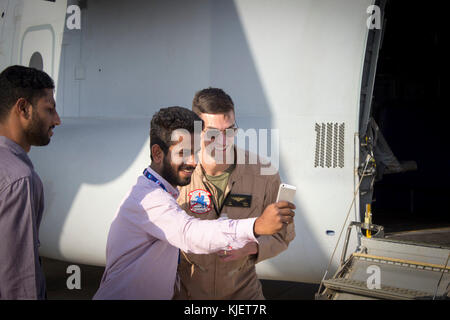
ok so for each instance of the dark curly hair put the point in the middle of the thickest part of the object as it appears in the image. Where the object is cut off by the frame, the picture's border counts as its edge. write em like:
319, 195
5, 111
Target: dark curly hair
21, 82
213, 101
165, 121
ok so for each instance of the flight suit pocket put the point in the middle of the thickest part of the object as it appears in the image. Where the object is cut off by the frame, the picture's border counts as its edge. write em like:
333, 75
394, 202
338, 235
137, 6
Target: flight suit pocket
240, 212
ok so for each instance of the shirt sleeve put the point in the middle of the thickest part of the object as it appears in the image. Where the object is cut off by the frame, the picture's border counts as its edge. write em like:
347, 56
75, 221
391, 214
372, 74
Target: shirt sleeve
18, 246
271, 246
165, 220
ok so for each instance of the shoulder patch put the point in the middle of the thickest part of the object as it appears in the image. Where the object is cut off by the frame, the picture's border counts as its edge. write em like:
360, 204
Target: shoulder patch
200, 201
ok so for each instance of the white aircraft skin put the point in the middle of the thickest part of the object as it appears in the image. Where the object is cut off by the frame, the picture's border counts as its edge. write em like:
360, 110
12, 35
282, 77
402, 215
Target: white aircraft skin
291, 65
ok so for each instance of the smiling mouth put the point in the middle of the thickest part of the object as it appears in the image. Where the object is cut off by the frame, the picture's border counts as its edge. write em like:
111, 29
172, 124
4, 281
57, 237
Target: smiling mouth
188, 171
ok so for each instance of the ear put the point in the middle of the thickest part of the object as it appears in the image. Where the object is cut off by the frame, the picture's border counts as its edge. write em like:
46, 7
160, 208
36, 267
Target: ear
22, 107
157, 153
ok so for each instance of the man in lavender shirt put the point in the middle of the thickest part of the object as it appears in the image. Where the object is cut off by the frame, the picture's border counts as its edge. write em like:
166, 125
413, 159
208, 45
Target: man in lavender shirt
27, 118
143, 244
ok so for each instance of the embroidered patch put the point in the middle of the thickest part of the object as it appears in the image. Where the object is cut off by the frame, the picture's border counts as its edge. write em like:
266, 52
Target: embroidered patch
200, 201
239, 200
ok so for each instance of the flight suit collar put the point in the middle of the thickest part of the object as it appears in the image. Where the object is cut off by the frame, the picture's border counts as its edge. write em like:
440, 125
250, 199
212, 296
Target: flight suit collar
236, 175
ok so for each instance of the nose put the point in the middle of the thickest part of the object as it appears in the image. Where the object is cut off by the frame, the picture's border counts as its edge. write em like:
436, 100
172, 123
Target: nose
191, 161
57, 119
224, 138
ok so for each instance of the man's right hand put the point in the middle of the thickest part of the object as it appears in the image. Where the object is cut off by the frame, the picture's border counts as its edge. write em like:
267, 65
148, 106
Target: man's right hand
273, 218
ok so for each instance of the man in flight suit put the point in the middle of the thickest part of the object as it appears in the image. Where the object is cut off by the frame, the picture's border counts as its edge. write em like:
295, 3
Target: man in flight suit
221, 188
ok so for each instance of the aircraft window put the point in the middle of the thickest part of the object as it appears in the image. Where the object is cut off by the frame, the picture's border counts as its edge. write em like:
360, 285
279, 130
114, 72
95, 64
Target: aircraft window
36, 61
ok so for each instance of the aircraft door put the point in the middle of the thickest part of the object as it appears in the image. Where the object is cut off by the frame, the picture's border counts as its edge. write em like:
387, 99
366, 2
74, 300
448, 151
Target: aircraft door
38, 48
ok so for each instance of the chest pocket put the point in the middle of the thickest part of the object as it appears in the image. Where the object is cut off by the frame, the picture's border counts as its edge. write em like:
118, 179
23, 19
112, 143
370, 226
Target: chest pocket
238, 200
246, 199
242, 212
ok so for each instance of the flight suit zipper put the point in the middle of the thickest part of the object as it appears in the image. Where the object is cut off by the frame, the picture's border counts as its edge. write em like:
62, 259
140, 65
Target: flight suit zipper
214, 201
218, 213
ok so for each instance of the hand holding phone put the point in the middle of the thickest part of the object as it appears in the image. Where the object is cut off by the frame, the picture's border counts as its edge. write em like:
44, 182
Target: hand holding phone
277, 214
286, 193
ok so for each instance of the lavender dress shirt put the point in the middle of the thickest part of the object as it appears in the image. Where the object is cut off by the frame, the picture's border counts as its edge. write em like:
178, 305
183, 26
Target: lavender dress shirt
21, 209
146, 235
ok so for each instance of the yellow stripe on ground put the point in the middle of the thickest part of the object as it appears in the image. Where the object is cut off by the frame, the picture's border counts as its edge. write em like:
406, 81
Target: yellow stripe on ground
438, 266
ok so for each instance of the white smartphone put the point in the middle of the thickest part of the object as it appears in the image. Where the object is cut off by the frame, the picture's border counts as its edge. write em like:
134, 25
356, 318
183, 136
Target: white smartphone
286, 193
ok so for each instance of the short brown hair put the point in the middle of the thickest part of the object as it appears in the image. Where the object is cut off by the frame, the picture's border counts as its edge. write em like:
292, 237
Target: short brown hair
213, 101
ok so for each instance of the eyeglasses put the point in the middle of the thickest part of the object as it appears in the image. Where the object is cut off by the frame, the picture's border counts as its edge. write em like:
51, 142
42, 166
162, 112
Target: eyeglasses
212, 133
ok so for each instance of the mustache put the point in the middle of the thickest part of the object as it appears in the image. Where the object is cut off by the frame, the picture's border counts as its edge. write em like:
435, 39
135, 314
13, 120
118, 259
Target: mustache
189, 168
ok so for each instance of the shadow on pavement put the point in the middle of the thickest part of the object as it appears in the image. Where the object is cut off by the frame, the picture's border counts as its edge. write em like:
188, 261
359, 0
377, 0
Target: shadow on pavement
57, 276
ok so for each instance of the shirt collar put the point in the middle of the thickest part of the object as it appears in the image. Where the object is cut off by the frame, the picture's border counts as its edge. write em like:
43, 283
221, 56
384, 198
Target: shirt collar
173, 191
15, 149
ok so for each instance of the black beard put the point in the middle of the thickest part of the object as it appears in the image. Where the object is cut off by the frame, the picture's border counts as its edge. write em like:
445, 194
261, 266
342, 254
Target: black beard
37, 133
168, 173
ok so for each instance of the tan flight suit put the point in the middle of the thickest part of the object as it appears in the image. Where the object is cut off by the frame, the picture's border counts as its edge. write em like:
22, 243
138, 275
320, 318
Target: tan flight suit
206, 276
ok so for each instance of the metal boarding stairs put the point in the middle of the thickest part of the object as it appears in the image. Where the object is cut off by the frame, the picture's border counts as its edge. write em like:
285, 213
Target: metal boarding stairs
387, 269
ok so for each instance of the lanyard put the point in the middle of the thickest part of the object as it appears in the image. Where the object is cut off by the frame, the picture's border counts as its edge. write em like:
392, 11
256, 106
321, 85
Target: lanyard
151, 177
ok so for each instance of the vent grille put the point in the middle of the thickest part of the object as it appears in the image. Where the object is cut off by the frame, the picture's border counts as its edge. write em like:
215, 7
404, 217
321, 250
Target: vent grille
329, 145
